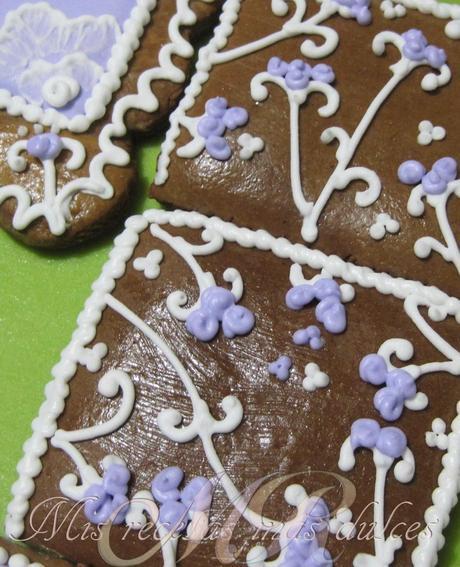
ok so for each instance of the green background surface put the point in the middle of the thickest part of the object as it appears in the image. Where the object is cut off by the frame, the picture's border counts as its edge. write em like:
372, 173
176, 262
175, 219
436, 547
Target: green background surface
41, 294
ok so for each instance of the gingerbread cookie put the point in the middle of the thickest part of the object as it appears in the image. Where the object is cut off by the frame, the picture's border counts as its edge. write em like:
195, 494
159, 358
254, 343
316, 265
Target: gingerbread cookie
231, 396
335, 124
76, 78
13, 555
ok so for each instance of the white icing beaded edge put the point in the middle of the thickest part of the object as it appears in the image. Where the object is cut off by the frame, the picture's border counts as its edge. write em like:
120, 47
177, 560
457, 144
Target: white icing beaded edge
45, 425
108, 83
16, 560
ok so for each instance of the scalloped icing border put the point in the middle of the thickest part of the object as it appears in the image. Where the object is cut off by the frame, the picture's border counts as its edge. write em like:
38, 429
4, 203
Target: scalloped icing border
45, 425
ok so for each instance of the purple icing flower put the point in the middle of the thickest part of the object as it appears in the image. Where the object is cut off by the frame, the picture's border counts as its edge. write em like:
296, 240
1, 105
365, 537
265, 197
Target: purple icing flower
310, 336
298, 73
197, 495
323, 73
416, 48
174, 516
367, 433
411, 172
299, 296
281, 368
434, 182
277, 67
297, 80
213, 125
218, 306
359, 10
400, 386
165, 485
108, 501
45, 146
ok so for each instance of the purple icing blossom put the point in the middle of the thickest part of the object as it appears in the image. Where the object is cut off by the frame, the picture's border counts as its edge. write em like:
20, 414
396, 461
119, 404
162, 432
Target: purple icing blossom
218, 306
329, 311
359, 10
416, 48
400, 386
108, 501
213, 125
197, 495
174, 516
434, 182
281, 368
411, 172
45, 146
298, 74
165, 485
310, 336
367, 433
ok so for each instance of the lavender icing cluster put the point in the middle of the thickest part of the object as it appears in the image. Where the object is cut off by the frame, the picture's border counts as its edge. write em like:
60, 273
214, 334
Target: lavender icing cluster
416, 48
330, 310
212, 126
311, 336
108, 501
399, 386
281, 368
45, 146
298, 74
359, 10
303, 549
218, 307
368, 434
176, 505
435, 181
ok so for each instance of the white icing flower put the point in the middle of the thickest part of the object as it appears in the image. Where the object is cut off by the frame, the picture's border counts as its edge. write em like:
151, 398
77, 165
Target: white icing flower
40, 43
149, 264
314, 378
437, 437
250, 145
383, 224
429, 133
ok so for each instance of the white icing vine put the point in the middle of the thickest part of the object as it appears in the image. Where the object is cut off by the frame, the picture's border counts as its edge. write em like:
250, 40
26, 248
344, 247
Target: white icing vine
203, 425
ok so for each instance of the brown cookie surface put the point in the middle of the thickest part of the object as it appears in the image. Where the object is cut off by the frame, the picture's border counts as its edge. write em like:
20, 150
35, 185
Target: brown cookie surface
137, 385
10, 551
382, 120
67, 170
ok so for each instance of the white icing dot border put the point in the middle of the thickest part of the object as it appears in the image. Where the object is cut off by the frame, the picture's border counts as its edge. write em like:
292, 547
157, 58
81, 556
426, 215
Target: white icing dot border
45, 425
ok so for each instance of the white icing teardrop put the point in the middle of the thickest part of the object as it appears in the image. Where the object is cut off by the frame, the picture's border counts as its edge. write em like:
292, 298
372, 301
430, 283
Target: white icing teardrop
60, 90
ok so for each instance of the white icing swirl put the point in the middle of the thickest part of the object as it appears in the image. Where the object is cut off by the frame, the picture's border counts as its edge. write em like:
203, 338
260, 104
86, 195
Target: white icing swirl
60, 90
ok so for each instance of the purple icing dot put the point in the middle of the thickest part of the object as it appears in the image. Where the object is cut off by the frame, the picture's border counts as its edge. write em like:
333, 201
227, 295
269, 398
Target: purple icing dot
281, 368
415, 45
116, 479
364, 433
373, 369
235, 117
101, 507
216, 107
326, 287
300, 296
299, 65
433, 183
237, 321
277, 67
436, 56
389, 403
332, 314
217, 300
174, 516
197, 495
360, 11
209, 126
45, 146
402, 382
297, 80
310, 336
446, 168
392, 442
323, 73
218, 148
203, 325
411, 172
165, 485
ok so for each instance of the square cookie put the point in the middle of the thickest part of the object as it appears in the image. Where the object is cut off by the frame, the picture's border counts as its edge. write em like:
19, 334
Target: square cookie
300, 117
231, 396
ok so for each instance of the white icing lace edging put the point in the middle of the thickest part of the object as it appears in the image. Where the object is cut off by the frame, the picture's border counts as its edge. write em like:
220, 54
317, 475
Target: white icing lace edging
16, 560
56, 210
107, 84
45, 426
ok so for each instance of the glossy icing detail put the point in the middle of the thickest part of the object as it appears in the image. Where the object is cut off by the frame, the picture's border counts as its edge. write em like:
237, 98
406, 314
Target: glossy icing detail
16, 560
314, 378
383, 224
359, 10
311, 336
428, 133
435, 187
281, 368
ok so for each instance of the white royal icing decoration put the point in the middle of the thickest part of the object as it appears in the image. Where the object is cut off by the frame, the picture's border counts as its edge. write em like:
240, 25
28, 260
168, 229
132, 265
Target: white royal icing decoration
383, 224
150, 265
314, 378
250, 145
59, 90
437, 436
16, 560
429, 133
